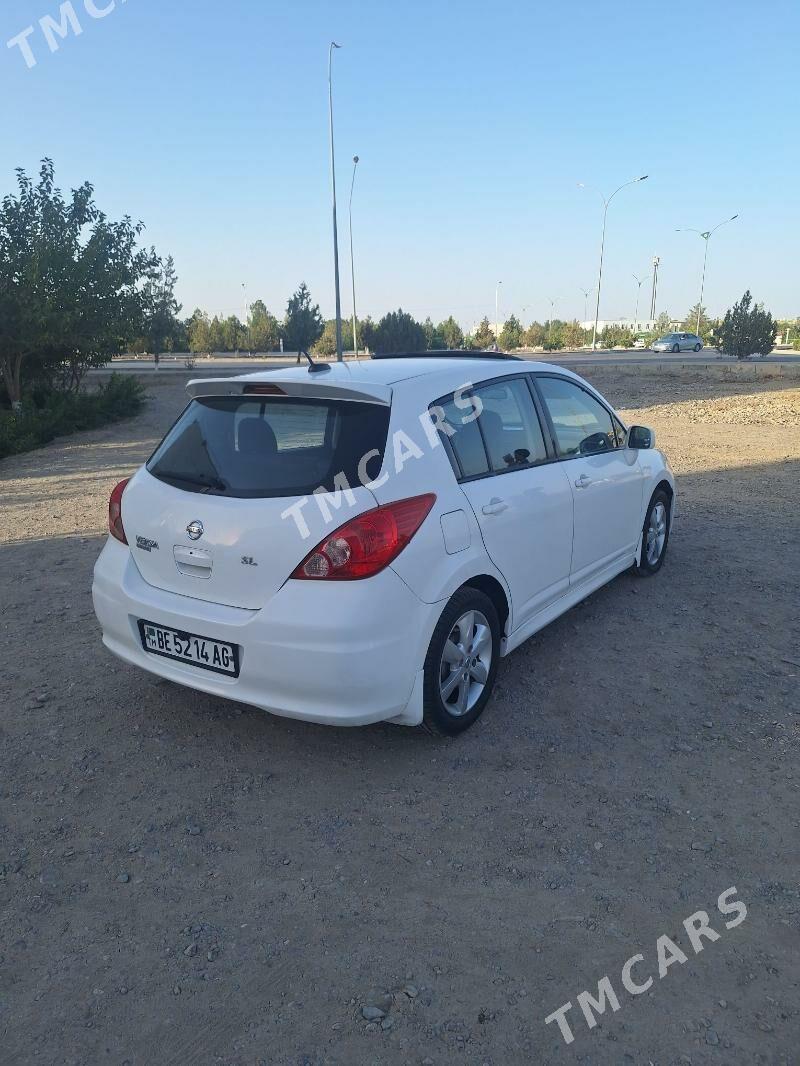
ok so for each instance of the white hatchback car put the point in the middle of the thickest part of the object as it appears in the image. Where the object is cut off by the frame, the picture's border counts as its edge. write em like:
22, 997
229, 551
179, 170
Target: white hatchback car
361, 542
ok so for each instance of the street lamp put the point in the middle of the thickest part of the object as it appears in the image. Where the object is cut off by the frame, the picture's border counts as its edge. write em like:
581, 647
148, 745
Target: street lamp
706, 235
585, 302
606, 202
552, 303
246, 316
639, 283
352, 261
333, 191
497, 314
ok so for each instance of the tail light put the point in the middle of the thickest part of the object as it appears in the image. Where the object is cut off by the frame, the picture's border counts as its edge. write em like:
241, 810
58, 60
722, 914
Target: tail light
115, 526
367, 544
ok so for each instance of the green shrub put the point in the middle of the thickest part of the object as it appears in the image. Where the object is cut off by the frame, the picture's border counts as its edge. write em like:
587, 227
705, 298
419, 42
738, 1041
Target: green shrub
55, 414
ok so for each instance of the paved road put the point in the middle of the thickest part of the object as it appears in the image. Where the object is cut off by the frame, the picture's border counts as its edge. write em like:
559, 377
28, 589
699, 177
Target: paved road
634, 357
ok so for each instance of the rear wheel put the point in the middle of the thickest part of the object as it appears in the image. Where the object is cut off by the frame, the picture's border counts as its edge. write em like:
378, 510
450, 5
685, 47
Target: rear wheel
655, 535
697, 347
461, 664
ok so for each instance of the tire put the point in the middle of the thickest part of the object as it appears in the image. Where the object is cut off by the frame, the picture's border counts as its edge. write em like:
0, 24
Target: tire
648, 564
697, 347
676, 347
448, 714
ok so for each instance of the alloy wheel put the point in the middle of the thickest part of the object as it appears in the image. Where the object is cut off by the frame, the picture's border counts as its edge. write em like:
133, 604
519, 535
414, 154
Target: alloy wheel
465, 664
656, 533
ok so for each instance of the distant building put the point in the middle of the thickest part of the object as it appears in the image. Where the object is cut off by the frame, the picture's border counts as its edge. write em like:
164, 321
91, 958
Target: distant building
639, 326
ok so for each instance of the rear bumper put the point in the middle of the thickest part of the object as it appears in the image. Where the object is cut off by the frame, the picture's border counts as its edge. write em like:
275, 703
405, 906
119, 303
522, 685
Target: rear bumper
343, 653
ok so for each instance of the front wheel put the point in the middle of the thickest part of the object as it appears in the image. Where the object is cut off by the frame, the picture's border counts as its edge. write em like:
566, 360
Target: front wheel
461, 664
655, 535
676, 347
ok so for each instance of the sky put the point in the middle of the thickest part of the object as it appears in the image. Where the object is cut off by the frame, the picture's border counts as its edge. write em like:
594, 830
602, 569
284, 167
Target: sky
474, 124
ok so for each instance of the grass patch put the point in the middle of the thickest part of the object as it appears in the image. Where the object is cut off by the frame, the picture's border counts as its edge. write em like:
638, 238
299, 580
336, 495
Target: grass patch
59, 413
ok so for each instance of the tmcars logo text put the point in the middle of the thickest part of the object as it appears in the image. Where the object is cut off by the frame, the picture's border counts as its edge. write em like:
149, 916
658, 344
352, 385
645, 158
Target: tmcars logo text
56, 28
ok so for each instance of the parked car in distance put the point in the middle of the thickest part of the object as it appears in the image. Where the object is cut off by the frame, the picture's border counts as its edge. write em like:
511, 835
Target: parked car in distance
678, 342
363, 541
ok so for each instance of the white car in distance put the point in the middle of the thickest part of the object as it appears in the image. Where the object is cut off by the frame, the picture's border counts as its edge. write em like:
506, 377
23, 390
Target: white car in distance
363, 541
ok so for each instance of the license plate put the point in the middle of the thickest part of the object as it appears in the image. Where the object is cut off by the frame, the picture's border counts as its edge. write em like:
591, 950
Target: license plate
199, 651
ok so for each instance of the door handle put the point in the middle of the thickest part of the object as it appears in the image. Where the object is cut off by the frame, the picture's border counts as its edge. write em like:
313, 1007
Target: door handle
583, 482
494, 506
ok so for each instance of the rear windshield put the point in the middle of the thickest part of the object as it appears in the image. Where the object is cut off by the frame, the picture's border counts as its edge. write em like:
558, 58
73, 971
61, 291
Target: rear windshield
258, 447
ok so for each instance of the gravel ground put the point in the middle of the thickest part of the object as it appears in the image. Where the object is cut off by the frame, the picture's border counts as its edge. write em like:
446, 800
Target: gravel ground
183, 880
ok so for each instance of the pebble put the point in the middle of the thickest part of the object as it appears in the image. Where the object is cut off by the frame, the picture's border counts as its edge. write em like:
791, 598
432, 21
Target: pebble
699, 846
124, 879
191, 951
372, 1014
711, 1037
193, 829
410, 990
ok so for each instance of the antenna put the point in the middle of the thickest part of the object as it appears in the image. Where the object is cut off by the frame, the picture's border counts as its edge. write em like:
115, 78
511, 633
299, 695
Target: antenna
314, 368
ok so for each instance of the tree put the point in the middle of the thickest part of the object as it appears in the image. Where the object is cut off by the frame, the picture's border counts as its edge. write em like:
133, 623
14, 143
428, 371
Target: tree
747, 329
326, 345
198, 328
303, 324
554, 335
535, 335
483, 337
367, 330
234, 334
161, 326
616, 337
434, 340
574, 335
263, 331
71, 283
451, 333
399, 332
511, 334
663, 324
690, 322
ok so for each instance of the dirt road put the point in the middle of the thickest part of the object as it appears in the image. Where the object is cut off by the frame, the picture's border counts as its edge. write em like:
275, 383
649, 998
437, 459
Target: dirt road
183, 880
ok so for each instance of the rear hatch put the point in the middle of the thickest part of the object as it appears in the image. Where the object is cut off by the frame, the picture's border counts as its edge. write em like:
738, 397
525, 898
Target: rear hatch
229, 504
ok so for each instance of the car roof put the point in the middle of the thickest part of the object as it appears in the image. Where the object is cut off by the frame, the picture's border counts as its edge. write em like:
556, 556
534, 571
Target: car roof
391, 371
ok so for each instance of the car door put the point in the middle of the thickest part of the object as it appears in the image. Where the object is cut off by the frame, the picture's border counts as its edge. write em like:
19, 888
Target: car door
605, 477
521, 497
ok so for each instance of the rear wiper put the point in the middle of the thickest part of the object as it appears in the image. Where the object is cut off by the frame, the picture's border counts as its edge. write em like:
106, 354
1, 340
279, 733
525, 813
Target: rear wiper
204, 481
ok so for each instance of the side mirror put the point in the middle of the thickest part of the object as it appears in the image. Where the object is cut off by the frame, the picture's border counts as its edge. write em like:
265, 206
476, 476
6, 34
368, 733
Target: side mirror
641, 437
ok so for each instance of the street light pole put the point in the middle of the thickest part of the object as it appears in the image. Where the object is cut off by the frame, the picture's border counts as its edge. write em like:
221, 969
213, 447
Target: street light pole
606, 202
639, 282
352, 260
656, 262
585, 303
552, 303
497, 314
706, 235
246, 317
333, 191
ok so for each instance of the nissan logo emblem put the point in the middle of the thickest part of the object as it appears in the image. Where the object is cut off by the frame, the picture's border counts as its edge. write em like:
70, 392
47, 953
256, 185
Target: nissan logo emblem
195, 529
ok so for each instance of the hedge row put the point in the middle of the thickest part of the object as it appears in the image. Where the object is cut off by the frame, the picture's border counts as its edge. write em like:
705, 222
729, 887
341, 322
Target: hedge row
59, 413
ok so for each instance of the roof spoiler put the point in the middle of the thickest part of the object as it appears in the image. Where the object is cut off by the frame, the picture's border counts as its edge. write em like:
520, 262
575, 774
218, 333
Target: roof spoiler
256, 385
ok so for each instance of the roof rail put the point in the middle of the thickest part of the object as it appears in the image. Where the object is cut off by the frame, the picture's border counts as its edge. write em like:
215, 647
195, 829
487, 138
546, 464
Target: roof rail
445, 353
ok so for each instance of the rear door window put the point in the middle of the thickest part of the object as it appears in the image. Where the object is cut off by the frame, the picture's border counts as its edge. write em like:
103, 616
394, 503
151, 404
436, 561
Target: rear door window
245, 447
510, 425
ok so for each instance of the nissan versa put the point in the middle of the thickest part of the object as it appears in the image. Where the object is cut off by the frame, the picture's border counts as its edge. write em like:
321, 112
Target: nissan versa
363, 541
